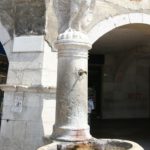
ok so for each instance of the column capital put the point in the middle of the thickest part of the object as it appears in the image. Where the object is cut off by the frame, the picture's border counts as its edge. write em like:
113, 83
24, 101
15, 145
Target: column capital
73, 40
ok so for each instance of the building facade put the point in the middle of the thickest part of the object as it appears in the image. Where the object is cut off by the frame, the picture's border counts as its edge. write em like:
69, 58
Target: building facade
28, 31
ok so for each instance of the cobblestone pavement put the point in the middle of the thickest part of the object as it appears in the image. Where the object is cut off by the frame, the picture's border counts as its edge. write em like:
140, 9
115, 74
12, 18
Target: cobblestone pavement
137, 130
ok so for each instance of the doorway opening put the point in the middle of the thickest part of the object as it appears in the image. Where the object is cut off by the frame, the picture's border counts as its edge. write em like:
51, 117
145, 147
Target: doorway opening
95, 81
119, 78
3, 75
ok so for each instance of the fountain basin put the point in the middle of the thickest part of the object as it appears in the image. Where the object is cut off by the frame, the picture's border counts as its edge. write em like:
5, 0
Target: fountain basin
94, 144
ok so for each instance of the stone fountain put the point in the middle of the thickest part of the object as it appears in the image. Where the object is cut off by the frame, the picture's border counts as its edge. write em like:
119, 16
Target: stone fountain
71, 129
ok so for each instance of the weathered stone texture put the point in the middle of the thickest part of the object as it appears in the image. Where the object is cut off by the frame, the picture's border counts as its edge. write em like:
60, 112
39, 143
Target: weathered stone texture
51, 22
24, 17
132, 4
103, 10
37, 17
7, 15
30, 17
31, 67
29, 127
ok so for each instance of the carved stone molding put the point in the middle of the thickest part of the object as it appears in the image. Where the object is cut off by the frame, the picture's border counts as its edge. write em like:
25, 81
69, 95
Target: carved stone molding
25, 88
73, 40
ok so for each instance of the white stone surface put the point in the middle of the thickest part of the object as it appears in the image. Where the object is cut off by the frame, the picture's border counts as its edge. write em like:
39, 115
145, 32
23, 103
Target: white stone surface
33, 68
76, 15
28, 44
146, 18
49, 78
23, 61
133, 4
26, 76
7, 127
121, 20
111, 23
136, 17
25, 68
50, 58
47, 117
29, 128
100, 29
71, 113
49, 72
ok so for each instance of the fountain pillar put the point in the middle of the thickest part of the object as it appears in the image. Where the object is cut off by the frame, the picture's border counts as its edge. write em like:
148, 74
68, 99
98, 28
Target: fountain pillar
72, 94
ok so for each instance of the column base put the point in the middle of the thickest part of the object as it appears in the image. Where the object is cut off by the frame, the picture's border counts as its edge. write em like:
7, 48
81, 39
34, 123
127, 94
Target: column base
70, 134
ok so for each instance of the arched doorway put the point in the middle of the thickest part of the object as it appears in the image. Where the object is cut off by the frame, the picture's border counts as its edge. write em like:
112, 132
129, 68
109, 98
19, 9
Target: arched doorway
119, 76
115, 61
6, 45
3, 74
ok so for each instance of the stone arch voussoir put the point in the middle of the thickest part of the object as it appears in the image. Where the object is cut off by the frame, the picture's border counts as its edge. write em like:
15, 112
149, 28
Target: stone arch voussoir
111, 23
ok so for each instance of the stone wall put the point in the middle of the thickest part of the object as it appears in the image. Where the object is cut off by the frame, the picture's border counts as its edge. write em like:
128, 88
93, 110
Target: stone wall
29, 17
28, 118
110, 8
29, 99
25, 17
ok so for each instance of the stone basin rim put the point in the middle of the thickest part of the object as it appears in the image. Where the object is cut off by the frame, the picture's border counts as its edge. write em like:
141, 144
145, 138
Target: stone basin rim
128, 145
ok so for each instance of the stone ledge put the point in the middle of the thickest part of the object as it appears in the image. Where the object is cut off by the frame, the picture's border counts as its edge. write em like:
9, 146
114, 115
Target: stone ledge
26, 88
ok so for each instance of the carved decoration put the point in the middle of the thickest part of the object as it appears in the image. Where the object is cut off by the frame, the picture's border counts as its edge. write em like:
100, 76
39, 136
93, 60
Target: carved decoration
73, 14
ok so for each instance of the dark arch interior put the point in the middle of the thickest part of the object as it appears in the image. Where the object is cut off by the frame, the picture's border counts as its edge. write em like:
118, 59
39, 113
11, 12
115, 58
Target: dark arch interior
119, 82
3, 74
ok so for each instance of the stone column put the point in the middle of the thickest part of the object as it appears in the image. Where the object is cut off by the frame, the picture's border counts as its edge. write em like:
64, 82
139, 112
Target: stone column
71, 104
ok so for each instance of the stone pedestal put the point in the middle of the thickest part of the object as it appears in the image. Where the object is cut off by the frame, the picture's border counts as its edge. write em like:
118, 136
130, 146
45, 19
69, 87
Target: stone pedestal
71, 106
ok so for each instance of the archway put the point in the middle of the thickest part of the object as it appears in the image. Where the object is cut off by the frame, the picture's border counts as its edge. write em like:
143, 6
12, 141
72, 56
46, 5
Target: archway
3, 74
5, 52
119, 54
